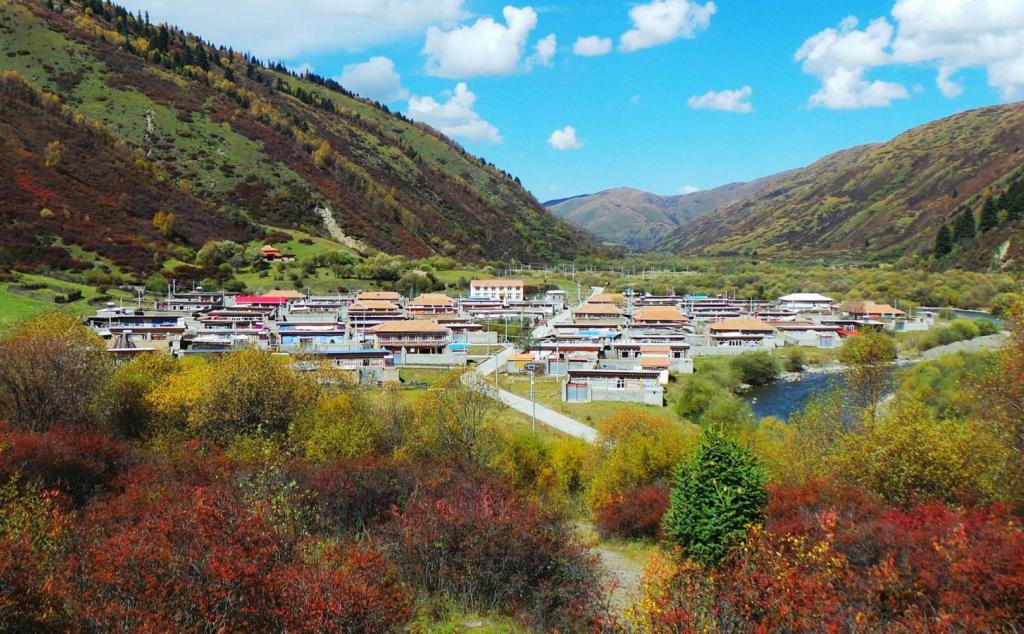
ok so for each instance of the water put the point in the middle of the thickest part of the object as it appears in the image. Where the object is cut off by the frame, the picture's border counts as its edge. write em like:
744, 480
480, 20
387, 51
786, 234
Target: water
784, 397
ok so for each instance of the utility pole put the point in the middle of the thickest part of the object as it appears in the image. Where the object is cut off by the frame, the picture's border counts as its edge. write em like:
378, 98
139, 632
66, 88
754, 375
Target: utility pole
533, 398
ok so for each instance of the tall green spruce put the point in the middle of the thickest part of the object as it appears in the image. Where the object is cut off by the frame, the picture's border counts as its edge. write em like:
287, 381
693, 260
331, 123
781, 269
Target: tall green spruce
964, 229
716, 495
989, 215
943, 241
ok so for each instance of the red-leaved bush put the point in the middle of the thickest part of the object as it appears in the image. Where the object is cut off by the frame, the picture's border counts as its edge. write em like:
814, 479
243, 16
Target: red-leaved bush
474, 540
838, 561
357, 494
76, 462
637, 513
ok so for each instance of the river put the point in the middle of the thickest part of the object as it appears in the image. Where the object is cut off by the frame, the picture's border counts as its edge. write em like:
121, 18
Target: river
790, 393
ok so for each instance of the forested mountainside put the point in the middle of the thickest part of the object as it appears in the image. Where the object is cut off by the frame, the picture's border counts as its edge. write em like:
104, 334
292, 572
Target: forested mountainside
888, 199
128, 139
640, 219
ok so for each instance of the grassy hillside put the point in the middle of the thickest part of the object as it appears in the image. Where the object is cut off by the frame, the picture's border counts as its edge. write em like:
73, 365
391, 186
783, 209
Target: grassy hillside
225, 144
886, 200
639, 219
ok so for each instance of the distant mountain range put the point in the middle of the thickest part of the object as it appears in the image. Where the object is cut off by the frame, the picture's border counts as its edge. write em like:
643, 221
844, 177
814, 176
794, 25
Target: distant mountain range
887, 199
639, 220
878, 200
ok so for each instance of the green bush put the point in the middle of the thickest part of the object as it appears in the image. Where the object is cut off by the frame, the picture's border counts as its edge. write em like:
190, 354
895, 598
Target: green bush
726, 412
716, 495
697, 394
794, 361
755, 368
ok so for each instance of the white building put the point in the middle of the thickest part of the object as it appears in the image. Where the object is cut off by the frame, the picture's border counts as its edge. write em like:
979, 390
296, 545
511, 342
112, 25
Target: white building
499, 290
805, 301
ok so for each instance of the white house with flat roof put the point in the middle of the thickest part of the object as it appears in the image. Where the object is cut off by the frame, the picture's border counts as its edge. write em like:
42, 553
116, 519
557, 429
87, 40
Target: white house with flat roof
805, 301
499, 290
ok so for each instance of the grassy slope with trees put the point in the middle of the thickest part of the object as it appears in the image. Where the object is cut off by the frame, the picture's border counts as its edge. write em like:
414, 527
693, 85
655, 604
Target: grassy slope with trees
888, 199
209, 136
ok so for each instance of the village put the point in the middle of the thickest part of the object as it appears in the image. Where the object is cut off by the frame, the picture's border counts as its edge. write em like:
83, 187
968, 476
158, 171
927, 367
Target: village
616, 347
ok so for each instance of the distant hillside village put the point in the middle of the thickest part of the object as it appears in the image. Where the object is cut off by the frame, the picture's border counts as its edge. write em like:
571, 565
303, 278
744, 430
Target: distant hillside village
609, 347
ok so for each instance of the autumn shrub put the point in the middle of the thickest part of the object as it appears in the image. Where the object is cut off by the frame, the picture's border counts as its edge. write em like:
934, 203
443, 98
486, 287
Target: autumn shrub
122, 400
909, 456
357, 494
716, 495
356, 591
52, 369
339, 426
473, 540
523, 460
633, 514
635, 449
76, 462
727, 413
794, 361
839, 561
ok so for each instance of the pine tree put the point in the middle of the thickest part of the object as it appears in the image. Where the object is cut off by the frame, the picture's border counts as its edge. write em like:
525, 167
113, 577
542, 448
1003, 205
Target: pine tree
965, 228
943, 241
989, 215
716, 496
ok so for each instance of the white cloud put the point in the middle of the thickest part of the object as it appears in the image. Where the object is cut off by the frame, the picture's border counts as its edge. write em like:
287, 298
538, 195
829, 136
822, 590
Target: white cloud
951, 35
302, 68
635, 100
272, 29
374, 79
688, 189
958, 34
661, 21
565, 139
592, 46
840, 57
724, 100
455, 117
485, 48
544, 51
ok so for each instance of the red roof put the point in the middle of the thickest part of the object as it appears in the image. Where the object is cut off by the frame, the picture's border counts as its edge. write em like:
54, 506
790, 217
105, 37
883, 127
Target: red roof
847, 333
256, 299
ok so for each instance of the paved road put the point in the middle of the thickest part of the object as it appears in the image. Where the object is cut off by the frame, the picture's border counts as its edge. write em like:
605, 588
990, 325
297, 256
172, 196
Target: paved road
484, 373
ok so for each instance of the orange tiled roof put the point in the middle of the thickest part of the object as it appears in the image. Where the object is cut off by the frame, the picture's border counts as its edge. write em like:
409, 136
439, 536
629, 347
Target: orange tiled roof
659, 313
432, 299
597, 309
409, 325
287, 294
729, 325
387, 295
654, 362
373, 304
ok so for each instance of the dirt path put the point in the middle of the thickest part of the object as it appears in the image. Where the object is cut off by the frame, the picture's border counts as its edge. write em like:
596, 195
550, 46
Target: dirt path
626, 573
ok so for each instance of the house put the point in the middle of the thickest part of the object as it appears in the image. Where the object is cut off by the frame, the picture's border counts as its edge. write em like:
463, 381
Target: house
364, 314
516, 364
808, 333
270, 252
367, 366
413, 335
630, 354
610, 384
385, 296
500, 290
870, 310
290, 295
310, 335
197, 301
617, 299
805, 302
555, 297
432, 304
659, 316
746, 333
603, 312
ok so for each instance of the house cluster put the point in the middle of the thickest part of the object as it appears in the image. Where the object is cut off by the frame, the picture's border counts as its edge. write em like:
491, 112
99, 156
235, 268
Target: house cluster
622, 347
368, 333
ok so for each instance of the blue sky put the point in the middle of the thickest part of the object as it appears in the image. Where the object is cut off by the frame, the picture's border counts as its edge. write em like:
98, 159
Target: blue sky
641, 113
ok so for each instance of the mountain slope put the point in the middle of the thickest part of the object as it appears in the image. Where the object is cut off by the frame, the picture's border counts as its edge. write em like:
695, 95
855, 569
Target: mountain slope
252, 144
887, 199
639, 219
